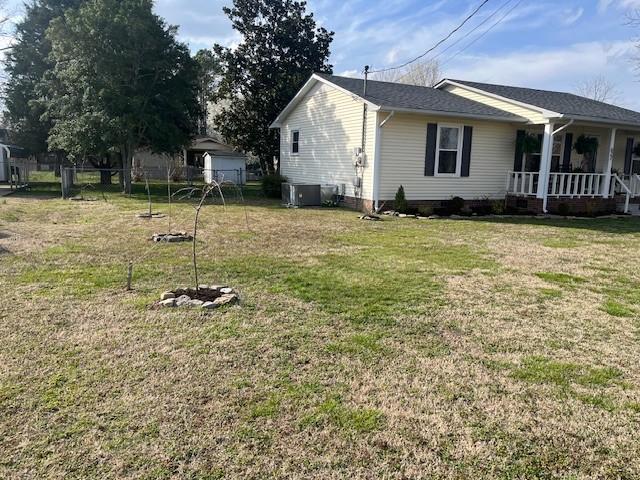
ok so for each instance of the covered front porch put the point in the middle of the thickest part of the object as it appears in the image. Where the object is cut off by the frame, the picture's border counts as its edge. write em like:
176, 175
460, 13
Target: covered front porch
571, 162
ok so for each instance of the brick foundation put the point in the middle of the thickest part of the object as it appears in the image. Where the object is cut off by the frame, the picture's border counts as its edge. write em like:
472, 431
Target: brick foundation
367, 205
586, 206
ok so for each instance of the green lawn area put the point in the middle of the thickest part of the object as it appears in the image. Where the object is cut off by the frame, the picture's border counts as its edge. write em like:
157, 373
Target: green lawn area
478, 348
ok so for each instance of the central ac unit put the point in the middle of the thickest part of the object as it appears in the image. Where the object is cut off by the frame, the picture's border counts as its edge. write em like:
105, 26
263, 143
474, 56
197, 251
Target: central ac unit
301, 195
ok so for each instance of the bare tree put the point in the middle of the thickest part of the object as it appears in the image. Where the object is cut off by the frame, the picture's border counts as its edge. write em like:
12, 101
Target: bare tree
599, 88
424, 74
5, 21
5, 41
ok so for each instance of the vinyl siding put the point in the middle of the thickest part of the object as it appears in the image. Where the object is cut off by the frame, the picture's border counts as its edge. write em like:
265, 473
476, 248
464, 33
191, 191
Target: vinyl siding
403, 149
330, 126
531, 115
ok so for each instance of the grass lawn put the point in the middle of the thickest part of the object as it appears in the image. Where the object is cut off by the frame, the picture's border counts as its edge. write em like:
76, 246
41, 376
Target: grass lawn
395, 349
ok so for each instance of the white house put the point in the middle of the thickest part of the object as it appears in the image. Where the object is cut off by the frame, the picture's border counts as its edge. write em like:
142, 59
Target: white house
461, 139
191, 161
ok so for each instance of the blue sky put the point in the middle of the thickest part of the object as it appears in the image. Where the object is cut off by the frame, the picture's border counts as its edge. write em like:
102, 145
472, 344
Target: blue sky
541, 43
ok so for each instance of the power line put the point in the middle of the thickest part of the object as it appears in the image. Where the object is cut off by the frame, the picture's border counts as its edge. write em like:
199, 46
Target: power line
437, 44
500, 20
466, 35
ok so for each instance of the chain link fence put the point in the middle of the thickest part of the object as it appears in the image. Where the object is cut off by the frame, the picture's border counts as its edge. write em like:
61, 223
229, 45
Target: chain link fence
78, 181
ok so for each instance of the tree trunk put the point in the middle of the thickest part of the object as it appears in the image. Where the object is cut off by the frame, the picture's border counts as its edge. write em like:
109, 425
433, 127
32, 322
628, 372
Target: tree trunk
105, 176
127, 160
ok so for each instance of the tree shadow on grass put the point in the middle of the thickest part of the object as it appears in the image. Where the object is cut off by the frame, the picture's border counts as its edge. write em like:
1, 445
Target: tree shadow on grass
622, 226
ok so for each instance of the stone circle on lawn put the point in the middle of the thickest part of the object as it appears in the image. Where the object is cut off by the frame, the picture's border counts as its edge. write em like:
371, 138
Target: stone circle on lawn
172, 237
207, 297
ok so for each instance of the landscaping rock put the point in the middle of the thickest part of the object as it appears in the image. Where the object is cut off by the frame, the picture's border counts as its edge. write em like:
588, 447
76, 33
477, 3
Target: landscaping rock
182, 300
205, 297
172, 237
169, 302
228, 299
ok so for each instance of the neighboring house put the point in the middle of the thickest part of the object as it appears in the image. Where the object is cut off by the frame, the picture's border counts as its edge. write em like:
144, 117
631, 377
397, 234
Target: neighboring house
191, 161
457, 139
13, 167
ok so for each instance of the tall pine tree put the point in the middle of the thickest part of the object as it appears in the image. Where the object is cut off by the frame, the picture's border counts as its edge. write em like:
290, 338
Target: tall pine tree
281, 48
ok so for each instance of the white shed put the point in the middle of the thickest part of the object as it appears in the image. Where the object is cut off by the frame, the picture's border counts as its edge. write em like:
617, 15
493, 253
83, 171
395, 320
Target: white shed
225, 166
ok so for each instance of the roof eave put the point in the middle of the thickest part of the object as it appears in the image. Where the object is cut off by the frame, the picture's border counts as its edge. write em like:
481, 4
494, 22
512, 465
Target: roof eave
598, 120
454, 114
543, 111
277, 123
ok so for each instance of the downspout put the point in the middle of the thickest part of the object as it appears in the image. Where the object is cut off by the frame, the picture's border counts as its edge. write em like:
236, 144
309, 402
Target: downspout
376, 161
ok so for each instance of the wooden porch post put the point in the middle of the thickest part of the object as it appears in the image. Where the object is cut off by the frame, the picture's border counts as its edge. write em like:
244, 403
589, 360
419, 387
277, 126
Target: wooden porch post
607, 172
545, 163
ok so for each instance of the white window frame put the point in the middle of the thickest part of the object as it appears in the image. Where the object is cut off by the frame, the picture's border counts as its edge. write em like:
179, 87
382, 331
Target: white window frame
292, 142
460, 129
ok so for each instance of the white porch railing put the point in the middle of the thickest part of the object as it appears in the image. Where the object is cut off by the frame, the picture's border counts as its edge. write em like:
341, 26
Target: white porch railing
573, 185
522, 183
618, 186
577, 185
632, 182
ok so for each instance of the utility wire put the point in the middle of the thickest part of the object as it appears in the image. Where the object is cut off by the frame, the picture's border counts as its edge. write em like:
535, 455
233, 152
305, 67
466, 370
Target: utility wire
500, 20
437, 44
466, 35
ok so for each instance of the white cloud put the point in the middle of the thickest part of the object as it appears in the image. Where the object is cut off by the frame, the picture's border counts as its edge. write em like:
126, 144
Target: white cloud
555, 69
603, 5
573, 17
350, 73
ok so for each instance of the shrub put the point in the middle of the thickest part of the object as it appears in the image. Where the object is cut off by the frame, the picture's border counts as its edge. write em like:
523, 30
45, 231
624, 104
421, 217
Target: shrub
400, 203
272, 185
497, 207
455, 205
425, 211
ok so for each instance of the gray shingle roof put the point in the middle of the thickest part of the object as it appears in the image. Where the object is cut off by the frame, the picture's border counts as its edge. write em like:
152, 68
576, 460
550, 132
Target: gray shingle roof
400, 96
564, 103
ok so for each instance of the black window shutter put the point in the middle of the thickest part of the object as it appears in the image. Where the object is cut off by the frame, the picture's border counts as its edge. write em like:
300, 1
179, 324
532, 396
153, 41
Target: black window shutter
517, 161
628, 155
430, 158
566, 157
467, 139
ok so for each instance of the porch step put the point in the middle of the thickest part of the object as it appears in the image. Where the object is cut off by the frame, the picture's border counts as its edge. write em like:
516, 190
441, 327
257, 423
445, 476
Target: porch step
634, 208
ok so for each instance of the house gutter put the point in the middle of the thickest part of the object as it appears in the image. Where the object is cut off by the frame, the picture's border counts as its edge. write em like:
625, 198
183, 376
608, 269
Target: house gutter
376, 161
436, 113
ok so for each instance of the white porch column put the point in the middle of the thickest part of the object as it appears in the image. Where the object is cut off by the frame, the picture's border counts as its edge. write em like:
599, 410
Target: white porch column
545, 163
607, 172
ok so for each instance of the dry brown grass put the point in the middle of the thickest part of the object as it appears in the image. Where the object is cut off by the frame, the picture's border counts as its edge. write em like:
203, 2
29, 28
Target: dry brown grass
400, 349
